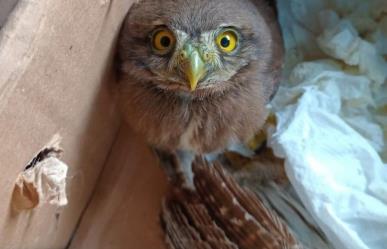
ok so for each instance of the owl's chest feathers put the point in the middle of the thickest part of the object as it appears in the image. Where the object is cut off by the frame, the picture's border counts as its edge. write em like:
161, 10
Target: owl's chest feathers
202, 126
188, 136
191, 125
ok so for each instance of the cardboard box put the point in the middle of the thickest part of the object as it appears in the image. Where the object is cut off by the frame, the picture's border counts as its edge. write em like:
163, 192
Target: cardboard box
56, 77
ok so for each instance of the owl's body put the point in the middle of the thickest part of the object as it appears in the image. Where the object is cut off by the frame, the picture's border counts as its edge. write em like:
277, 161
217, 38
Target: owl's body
227, 106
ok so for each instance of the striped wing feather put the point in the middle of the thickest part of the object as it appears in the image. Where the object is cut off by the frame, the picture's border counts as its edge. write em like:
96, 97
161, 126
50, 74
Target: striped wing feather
222, 214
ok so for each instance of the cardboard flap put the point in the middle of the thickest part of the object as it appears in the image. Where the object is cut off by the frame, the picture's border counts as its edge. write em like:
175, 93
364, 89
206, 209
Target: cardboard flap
56, 78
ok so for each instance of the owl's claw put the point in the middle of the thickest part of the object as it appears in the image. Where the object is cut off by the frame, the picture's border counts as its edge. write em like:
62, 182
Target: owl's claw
242, 149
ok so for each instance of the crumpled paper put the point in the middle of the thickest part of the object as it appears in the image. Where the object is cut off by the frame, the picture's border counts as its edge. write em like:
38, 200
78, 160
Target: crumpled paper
331, 110
43, 180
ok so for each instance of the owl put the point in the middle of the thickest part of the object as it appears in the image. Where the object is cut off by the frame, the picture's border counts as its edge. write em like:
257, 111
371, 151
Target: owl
195, 76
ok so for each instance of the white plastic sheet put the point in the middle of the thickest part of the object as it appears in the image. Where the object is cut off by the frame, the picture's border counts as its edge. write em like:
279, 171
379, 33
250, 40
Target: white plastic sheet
331, 111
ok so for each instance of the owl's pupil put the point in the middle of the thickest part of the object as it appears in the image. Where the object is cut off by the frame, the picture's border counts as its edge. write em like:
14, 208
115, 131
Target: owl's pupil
165, 41
225, 42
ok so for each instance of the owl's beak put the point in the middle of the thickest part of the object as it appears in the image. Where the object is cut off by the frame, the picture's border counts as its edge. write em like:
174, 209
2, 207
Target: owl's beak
194, 67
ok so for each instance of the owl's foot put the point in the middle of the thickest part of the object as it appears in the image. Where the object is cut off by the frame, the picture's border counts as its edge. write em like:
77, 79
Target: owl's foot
178, 167
185, 160
170, 164
241, 149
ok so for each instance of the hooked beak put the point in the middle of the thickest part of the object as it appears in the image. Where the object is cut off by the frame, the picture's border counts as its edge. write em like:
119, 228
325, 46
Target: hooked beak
194, 67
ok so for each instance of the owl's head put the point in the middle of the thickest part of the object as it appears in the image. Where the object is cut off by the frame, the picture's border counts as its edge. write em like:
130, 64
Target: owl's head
197, 45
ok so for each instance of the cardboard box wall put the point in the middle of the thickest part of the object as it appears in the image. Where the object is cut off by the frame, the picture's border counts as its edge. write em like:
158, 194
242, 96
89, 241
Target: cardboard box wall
56, 78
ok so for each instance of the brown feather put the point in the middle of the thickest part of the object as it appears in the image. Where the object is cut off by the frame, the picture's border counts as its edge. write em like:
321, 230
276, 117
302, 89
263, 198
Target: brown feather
182, 212
230, 214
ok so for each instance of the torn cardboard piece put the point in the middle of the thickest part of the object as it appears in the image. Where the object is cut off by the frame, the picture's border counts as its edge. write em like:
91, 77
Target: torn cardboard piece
43, 180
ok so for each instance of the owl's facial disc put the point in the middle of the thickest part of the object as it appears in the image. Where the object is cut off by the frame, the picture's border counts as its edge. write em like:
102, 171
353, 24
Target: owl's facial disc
195, 62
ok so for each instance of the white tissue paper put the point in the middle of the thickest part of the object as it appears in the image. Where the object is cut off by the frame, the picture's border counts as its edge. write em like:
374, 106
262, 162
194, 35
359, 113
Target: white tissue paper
332, 116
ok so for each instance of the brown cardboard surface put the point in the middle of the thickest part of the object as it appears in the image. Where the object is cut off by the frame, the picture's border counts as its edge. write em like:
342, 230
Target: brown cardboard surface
124, 211
55, 78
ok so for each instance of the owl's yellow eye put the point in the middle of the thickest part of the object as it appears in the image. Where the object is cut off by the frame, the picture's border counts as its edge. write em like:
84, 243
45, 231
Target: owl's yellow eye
227, 41
163, 41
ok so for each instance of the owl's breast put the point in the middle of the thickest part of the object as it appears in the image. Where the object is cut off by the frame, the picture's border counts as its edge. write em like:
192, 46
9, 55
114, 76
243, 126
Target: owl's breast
187, 138
210, 126
202, 126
